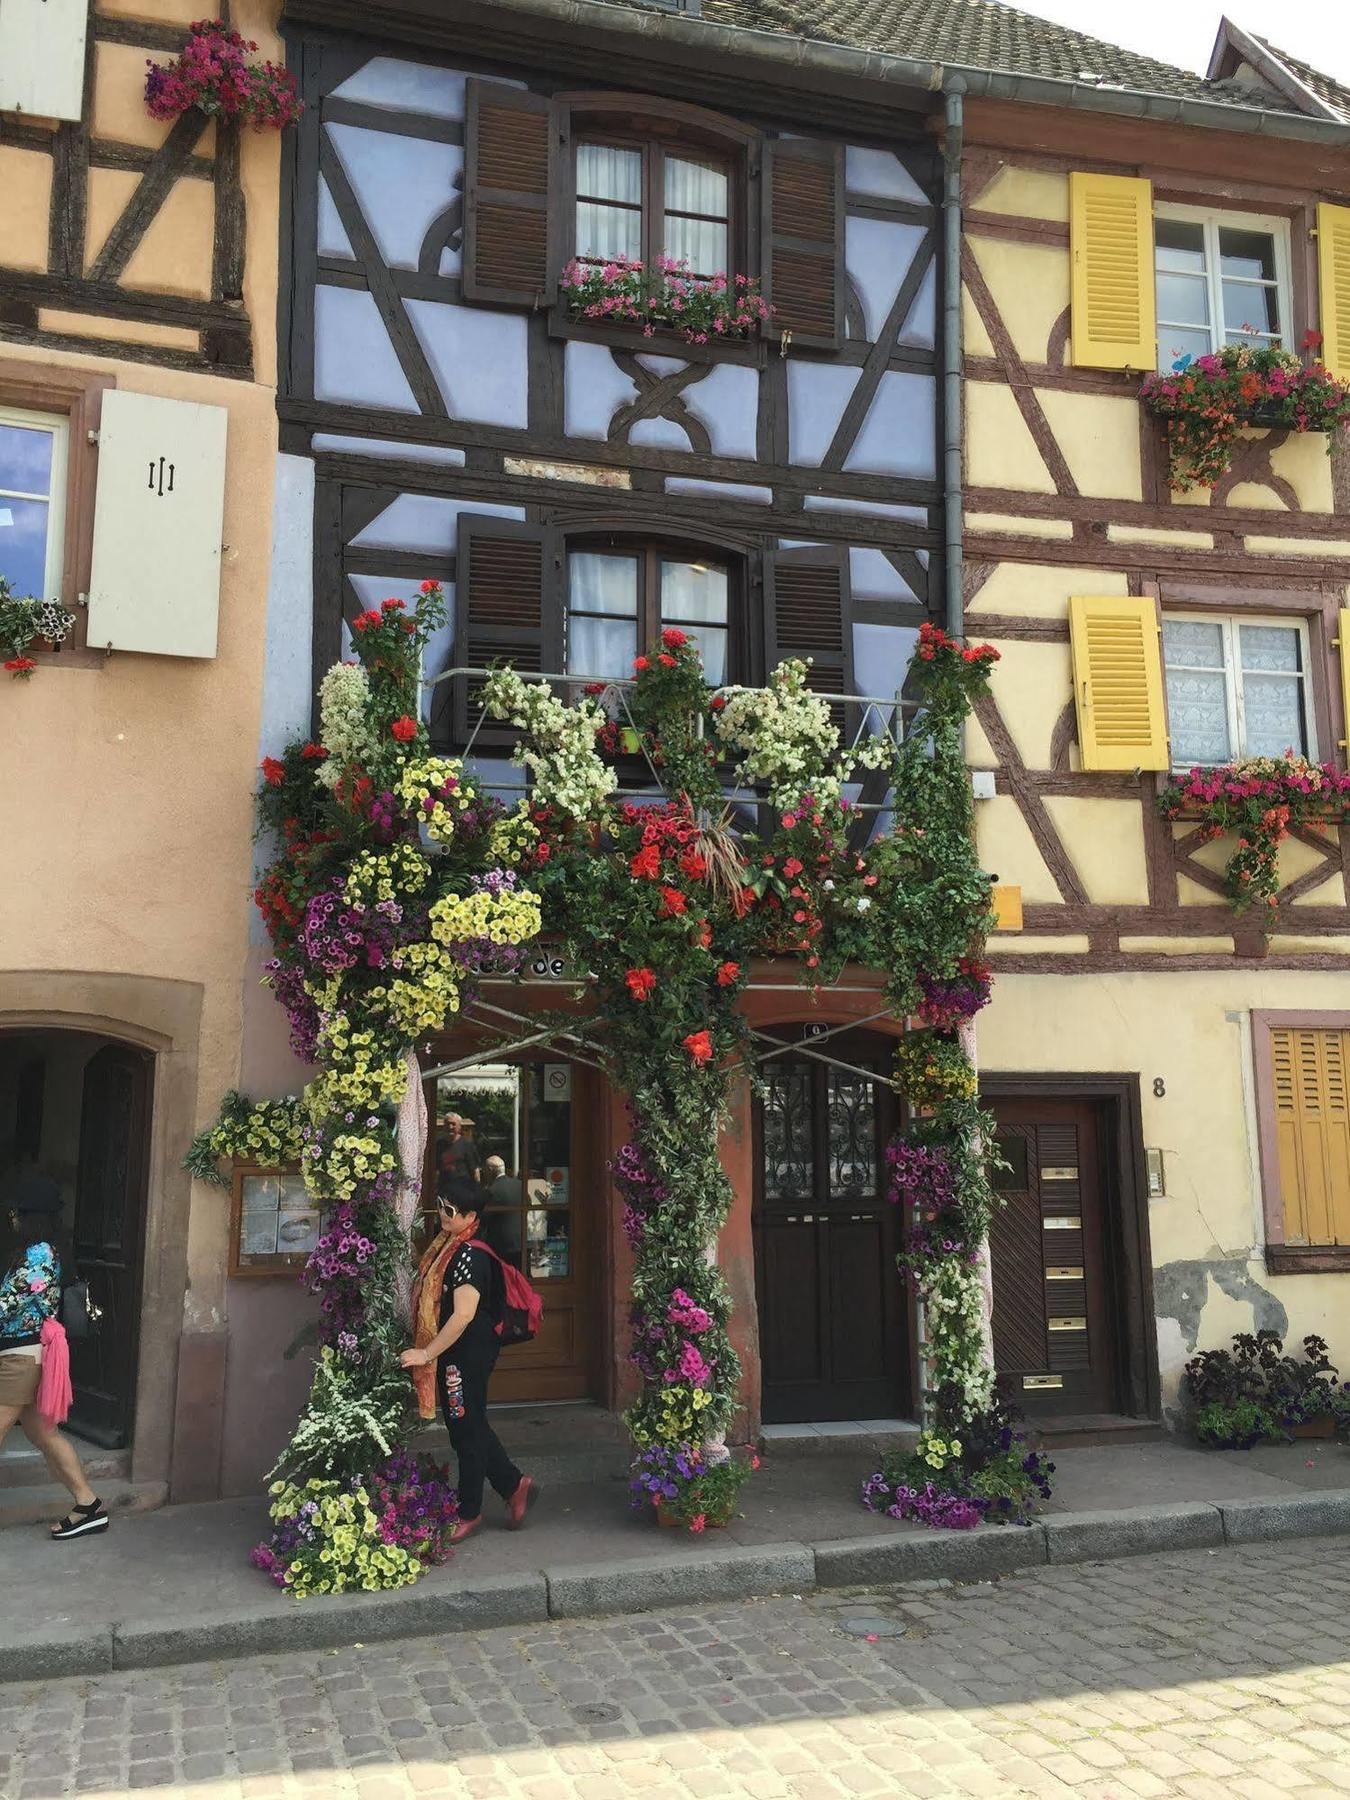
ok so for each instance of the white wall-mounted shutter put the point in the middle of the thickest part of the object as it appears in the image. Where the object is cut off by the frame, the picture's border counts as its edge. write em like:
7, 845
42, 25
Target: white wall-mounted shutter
157, 523
42, 57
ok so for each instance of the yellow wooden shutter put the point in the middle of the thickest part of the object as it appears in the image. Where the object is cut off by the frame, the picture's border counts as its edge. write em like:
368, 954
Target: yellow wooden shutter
1312, 1132
1333, 271
1111, 247
1118, 682
1343, 643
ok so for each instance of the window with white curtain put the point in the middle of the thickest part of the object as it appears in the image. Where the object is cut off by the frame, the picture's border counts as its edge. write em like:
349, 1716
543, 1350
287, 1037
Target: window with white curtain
32, 501
620, 601
640, 200
1236, 686
1222, 278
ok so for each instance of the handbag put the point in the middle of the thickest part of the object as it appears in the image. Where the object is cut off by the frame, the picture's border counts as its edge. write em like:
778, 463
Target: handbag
78, 1314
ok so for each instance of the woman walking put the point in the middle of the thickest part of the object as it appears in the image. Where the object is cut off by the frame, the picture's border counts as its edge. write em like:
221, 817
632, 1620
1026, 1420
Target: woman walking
458, 1302
33, 1353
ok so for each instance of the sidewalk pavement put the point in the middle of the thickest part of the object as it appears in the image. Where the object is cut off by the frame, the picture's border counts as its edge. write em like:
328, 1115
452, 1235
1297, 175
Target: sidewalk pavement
176, 1586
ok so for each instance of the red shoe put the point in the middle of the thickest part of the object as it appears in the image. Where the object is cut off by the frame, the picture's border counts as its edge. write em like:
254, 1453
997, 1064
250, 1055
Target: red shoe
465, 1528
527, 1492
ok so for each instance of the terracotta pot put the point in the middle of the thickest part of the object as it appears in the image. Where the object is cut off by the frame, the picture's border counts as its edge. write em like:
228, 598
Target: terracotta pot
664, 1516
1321, 1427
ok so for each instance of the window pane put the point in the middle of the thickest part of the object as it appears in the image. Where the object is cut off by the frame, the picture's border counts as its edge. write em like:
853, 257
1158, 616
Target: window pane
25, 459
1269, 647
1246, 305
789, 1168
852, 1143
1174, 344
607, 173
694, 591
698, 242
603, 648
1192, 644
23, 546
1197, 706
1247, 253
1272, 710
712, 643
608, 232
1183, 299
603, 584
1180, 245
695, 187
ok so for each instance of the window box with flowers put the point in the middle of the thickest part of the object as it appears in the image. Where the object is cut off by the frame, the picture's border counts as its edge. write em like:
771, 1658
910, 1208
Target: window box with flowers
718, 312
1206, 401
214, 75
29, 624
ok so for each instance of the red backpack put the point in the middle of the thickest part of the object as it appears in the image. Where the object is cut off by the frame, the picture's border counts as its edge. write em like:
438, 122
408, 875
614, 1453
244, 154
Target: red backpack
522, 1307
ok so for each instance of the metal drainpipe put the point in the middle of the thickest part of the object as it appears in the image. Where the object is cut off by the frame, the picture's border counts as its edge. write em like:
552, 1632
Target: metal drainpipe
952, 497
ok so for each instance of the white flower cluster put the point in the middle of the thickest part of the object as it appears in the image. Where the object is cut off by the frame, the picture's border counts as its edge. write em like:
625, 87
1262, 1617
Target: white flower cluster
783, 736
344, 728
954, 1327
558, 748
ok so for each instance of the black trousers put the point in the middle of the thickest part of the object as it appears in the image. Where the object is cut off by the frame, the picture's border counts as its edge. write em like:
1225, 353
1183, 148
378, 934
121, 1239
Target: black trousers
475, 1443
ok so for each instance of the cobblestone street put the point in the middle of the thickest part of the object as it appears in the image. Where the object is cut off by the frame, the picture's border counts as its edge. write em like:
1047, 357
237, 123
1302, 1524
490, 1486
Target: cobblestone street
1205, 1673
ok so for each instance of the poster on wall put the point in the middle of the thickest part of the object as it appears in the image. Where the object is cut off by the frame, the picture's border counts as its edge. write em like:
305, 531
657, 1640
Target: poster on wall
275, 1224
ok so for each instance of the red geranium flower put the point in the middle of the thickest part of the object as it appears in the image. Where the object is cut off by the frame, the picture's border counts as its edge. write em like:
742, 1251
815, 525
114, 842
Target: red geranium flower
640, 663
699, 1046
404, 729
673, 902
20, 665
273, 771
640, 982
703, 936
667, 662
792, 867
727, 973
693, 865
646, 865
313, 752
393, 605
429, 586
673, 638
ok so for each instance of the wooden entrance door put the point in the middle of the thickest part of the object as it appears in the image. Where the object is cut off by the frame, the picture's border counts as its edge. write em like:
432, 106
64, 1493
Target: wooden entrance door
109, 1234
1053, 1323
527, 1140
833, 1330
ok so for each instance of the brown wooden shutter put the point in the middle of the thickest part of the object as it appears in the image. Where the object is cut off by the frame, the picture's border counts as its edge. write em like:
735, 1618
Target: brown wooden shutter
508, 162
508, 609
803, 255
808, 612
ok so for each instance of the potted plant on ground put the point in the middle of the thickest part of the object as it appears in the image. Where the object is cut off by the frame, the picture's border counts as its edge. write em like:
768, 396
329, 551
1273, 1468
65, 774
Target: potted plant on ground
989, 1474
1255, 1393
685, 1489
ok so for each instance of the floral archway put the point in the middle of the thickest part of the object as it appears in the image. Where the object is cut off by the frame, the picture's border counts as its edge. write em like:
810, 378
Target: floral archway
401, 884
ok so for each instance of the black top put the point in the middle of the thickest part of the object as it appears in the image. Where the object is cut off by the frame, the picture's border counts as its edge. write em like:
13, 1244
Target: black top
464, 1157
472, 1267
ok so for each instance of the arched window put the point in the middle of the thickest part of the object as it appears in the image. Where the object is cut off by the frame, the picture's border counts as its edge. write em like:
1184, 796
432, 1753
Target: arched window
621, 596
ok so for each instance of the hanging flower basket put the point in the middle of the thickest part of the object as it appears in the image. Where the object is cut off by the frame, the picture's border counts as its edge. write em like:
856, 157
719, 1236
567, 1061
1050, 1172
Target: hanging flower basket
665, 296
1205, 402
1257, 800
214, 75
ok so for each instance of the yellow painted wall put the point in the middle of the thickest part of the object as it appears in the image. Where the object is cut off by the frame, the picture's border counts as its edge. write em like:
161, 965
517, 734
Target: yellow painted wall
1189, 1030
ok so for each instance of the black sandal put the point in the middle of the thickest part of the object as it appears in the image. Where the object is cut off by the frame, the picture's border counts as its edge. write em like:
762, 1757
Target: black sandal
82, 1521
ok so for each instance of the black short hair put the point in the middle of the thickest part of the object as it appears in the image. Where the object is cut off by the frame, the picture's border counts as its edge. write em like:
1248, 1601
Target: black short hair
459, 1192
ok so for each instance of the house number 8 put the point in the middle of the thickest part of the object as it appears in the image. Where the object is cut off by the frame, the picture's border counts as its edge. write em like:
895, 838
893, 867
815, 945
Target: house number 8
1159, 1086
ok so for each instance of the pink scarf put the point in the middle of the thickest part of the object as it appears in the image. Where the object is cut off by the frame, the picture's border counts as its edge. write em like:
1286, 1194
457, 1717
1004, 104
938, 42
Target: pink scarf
54, 1394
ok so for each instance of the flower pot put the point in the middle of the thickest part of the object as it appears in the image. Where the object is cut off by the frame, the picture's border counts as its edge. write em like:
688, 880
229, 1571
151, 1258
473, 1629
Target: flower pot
1324, 1426
630, 741
664, 1516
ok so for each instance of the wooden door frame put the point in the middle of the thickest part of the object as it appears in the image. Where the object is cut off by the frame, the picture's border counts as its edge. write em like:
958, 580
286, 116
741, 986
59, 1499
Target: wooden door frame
1128, 1254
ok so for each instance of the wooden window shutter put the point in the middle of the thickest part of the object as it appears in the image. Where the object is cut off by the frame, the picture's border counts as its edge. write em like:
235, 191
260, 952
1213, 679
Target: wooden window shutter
803, 257
508, 609
509, 165
1333, 273
1111, 251
808, 613
1311, 1070
1118, 682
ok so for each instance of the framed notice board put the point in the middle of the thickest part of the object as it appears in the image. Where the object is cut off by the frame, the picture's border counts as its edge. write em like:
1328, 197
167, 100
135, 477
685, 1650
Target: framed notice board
274, 1223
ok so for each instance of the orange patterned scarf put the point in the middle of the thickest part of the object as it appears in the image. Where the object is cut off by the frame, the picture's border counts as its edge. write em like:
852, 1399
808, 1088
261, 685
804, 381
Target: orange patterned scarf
426, 1314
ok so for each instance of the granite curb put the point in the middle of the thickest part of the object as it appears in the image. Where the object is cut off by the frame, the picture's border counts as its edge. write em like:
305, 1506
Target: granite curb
719, 1572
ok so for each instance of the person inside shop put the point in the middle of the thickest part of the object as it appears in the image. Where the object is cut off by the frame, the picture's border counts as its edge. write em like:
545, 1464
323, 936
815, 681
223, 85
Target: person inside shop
501, 1222
460, 1284
457, 1154
34, 1358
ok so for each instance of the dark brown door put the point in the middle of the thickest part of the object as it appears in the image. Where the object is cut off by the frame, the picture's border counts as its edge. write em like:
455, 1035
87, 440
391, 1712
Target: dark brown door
1053, 1328
833, 1327
534, 1158
109, 1234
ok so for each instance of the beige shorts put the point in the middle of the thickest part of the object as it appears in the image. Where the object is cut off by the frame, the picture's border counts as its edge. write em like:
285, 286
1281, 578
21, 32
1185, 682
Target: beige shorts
19, 1377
